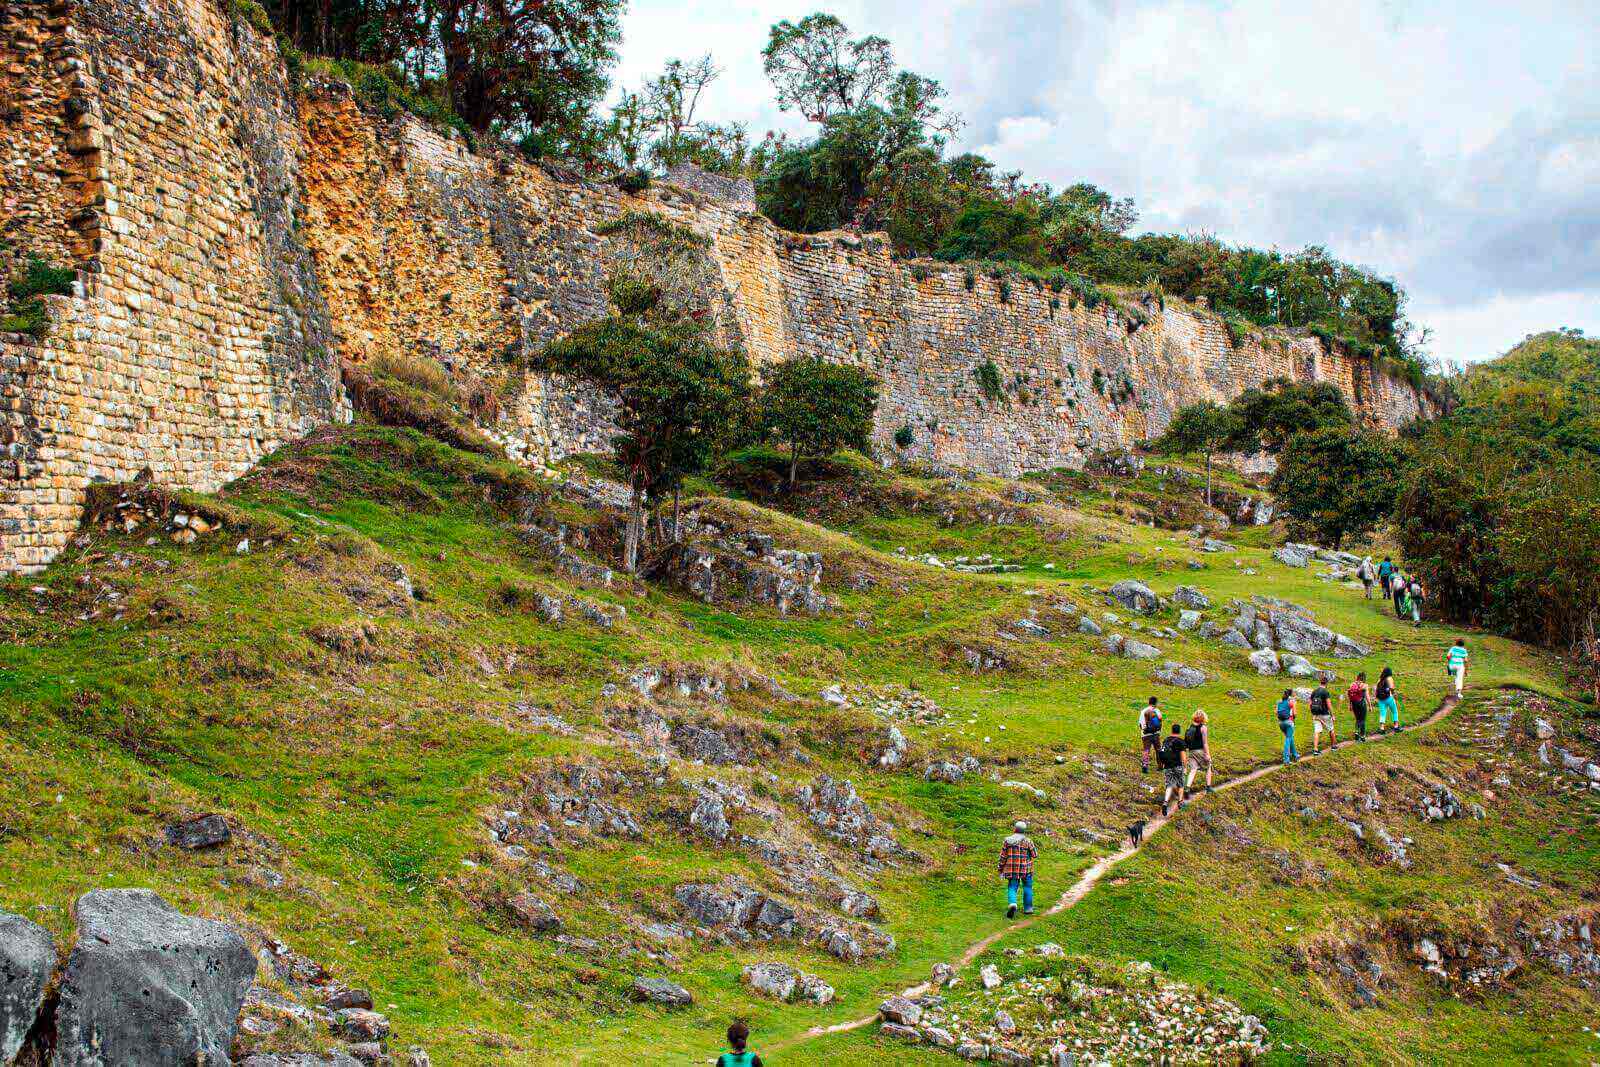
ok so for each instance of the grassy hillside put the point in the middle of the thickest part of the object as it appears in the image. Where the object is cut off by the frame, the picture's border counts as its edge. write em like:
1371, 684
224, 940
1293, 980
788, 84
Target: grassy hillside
358, 663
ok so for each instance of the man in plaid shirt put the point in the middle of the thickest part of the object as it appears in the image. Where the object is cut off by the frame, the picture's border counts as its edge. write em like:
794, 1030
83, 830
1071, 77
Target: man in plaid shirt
1016, 867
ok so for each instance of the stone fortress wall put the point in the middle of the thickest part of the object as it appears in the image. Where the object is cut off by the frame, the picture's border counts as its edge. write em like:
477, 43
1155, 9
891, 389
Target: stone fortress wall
236, 241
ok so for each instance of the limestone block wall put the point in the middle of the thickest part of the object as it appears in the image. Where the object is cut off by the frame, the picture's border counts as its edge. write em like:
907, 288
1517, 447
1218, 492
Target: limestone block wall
236, 239
200, 340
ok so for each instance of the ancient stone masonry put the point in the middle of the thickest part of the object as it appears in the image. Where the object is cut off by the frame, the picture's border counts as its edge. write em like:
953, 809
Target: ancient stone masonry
163, 146
236, 239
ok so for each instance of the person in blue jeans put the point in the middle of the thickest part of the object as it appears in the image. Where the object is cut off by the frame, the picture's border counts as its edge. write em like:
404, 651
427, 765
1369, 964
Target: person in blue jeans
1286, 724
1016, 867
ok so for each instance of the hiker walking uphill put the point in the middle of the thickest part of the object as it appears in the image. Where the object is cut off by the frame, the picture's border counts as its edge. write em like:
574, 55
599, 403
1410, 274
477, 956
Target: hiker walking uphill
1388, 700
1149, 733
1397, 590
1017, 854
1455, 663
1174, 758
738, 1038
1286, 724
1367, 574
1357, 695
1416, 593
1321, 718
1197, 738
1386, 572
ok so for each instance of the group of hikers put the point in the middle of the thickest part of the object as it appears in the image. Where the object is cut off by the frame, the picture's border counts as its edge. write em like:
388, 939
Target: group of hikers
1184, 754
1408, 594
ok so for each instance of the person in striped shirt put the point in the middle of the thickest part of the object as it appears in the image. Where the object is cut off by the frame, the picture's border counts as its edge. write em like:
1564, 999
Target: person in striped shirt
1455, 662
1016, 867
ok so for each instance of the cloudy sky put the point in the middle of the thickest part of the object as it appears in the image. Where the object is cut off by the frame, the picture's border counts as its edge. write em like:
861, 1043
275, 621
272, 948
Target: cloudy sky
1453, 145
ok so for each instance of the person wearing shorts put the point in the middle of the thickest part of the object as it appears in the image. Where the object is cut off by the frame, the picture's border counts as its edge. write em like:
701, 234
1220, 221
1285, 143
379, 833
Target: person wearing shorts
1174, 758
1198, 741
1321, 718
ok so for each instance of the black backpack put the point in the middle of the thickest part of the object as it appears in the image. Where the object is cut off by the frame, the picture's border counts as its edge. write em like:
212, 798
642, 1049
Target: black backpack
1191, 737
1319, 702
1172, 752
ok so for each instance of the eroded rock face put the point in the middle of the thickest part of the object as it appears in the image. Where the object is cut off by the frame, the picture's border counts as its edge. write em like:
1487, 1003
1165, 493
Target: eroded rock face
27, 960
146, 984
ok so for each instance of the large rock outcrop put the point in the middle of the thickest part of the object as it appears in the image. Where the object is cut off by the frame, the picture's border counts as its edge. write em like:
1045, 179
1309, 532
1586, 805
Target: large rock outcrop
27, 960
148, 985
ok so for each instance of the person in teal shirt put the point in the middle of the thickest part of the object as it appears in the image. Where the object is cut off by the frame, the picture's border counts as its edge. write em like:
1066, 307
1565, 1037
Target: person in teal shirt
1455, 662
738, 1038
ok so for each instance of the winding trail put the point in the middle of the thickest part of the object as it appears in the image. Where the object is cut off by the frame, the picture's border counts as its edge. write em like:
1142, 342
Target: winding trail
1091, 877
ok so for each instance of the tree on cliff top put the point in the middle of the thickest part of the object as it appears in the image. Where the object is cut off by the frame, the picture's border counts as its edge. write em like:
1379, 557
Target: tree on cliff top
1204, 428
533, 66
816, 408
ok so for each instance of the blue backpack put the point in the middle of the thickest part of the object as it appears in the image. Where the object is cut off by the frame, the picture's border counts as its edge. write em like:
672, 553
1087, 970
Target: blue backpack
1285, 710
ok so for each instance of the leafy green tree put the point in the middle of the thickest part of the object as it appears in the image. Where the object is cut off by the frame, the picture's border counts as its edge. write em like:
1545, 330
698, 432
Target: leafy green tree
1081, 215
815, 407
1200, 429
992, 229
820, 72
1269, 416
1337, 481
525, 65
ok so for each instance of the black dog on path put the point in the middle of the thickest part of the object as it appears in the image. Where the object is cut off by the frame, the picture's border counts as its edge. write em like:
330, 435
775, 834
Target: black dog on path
1136, 834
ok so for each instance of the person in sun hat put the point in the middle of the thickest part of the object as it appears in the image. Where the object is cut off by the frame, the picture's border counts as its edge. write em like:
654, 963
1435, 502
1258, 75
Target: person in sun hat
1017, 854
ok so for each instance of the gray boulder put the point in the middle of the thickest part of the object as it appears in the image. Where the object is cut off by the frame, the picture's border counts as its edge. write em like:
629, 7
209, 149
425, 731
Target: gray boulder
1296, 633
336, 1058
1298, 666
1113, 644
27, 960
1190, 597
1139, 650
1265, 661
1136, 596
1188, 620
1289, 557
1235, 639
661, 991
1180, 675
1261, 634
1211, 544
1088, 626
146, 984
1345, 648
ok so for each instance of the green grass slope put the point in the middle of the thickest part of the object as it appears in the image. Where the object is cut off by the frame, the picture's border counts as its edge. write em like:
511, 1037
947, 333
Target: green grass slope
369, 685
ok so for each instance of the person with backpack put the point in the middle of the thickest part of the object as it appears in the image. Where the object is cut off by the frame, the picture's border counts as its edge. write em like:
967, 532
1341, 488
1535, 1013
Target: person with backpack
1149, 733
1397, 592
1416, 594
1366, 574
1321, 718
1016, 867
1286, 724
738, 1038
1197, 739
1385, 574
1455, 663
1357, 695
1174, 760
1388, 700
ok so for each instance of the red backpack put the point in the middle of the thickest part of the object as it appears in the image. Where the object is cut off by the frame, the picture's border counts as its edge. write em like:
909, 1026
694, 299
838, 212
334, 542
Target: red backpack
1357, 692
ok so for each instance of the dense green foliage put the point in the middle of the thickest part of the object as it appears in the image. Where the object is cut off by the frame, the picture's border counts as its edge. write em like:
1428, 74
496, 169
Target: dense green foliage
1337, 482
1267, 417
815, 407
1500, 508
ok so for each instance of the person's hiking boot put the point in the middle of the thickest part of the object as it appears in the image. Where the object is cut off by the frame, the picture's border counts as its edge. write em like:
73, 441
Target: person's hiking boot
1028, 912
1011, 911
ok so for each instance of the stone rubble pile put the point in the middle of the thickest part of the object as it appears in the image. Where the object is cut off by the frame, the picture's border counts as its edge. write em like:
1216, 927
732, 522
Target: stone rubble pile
1048, 1008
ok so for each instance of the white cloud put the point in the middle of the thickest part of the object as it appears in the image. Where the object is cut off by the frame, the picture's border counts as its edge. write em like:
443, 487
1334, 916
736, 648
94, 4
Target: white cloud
1453, 145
